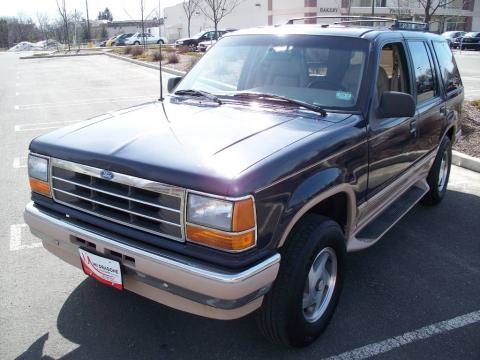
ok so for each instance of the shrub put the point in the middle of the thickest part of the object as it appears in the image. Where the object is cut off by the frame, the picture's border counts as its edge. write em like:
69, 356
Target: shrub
156, 56
136, 51
193, 61
127, 50
144, 57
476, 103
182, 49
173, 58
168, 49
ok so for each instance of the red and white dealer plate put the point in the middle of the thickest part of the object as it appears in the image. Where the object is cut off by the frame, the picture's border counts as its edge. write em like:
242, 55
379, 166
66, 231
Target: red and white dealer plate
105, 270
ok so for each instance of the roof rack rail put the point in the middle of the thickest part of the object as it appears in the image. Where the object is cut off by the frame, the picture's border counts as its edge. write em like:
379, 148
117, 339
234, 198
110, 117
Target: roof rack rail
349, 19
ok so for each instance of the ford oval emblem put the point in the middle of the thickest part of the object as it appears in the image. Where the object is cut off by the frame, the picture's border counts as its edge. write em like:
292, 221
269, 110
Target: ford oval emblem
107, 175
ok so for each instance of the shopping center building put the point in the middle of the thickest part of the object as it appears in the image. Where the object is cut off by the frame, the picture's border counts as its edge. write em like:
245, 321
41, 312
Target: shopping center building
456, 15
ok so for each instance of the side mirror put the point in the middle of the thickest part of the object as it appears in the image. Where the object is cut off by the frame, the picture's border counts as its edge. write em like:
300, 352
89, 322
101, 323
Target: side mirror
173, 82
396, 104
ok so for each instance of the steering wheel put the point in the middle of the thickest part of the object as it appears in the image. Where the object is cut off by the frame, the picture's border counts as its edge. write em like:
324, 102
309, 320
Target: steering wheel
325, 84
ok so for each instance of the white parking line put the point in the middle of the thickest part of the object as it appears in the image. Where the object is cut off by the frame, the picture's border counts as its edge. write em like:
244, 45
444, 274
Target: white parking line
42, 125
426, 332
16, 238
20, 162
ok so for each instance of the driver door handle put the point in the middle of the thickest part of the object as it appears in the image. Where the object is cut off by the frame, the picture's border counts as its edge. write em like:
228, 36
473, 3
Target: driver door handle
413, 127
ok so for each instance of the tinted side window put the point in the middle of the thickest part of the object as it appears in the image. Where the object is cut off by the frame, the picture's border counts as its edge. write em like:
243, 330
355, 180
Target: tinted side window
448, 66
424, 75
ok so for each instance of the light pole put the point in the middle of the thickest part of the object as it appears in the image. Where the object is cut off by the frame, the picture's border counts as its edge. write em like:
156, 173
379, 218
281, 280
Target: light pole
88, 22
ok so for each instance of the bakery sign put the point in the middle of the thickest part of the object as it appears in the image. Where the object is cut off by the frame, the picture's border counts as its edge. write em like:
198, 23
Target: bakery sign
327, 10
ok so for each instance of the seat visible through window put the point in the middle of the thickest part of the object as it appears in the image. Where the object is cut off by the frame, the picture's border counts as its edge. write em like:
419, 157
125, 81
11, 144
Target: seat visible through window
392, 70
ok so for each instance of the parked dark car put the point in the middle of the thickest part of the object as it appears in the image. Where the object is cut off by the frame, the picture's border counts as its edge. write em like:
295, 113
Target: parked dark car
200, 37
451, 36
471, 40
206, 45
120, 40
281, 150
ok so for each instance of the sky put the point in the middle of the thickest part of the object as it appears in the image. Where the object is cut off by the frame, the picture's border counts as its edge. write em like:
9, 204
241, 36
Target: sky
121, 9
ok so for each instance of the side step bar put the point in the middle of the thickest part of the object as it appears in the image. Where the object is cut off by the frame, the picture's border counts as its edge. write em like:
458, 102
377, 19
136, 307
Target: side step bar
374, 231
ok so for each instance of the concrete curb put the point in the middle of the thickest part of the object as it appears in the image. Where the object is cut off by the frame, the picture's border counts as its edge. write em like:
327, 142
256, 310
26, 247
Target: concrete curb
56, 56
465, 161
151, 66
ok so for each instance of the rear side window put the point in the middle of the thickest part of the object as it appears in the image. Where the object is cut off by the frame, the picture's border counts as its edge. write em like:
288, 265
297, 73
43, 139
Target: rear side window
424, 74
448, 66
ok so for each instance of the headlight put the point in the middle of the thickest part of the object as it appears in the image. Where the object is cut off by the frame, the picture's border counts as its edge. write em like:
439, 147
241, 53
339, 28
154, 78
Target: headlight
179, 42
210, 212
38, 167
223, 224
38, 174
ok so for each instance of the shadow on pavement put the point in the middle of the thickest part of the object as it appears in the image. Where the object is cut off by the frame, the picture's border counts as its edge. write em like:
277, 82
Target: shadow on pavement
424, 271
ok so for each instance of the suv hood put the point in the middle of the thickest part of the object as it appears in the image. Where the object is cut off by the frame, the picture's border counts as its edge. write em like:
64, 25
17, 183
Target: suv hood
183, 142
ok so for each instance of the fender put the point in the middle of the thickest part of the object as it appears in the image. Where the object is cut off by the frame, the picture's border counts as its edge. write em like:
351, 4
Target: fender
325, 184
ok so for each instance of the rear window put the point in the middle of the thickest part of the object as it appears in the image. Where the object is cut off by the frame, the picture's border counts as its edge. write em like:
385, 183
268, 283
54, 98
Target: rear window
448, 66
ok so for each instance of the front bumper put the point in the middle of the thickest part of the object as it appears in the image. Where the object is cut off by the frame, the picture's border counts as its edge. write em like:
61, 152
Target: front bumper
167, 278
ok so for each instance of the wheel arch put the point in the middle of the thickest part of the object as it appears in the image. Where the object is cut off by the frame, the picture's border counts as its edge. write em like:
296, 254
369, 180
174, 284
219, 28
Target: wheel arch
340, 199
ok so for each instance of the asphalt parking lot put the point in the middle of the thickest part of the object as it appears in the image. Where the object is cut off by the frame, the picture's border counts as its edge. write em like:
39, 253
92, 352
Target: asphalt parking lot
414, 295
468, 61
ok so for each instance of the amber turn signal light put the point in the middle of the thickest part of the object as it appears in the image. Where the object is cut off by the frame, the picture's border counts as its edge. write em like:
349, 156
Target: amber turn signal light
243, 215
40, 187
220, 239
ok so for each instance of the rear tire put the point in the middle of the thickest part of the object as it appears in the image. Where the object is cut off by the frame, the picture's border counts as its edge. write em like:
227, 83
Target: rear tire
312, 269
439, 174
136, 43
160, 42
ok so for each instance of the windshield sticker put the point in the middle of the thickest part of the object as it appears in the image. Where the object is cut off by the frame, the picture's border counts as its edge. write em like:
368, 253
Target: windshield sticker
343, 95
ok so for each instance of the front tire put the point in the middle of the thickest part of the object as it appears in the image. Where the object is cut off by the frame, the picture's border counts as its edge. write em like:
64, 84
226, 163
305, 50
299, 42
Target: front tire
305, 294
439, 174
136, 43
160, 42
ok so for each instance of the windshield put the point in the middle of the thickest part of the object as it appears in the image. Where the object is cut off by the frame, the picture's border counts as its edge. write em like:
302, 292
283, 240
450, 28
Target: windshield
471, 34
324, 71
198, 35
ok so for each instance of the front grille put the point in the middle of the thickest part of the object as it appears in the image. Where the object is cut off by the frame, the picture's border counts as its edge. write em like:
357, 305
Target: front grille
142, 204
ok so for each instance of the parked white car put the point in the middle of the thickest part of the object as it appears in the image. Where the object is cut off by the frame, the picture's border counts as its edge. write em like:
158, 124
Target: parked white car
139, 38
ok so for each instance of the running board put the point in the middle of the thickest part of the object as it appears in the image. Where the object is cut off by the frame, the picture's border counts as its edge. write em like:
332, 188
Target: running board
374, 231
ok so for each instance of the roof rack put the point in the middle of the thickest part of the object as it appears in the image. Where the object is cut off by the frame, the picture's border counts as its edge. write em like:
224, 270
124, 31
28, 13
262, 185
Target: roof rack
346, 19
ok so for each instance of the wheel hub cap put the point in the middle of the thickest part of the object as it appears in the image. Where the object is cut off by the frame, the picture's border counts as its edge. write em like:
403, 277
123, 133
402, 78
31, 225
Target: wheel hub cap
319, 285
443, 173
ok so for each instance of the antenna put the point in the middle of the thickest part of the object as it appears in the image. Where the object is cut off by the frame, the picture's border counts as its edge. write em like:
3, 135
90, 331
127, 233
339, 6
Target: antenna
160, 51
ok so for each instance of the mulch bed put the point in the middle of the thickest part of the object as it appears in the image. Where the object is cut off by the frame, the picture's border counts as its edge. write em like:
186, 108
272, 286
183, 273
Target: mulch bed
469, 143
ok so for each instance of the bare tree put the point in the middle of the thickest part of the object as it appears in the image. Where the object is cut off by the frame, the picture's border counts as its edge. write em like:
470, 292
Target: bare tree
189, 7
43, 24
431, 6
216, 10
3, 33
63, 14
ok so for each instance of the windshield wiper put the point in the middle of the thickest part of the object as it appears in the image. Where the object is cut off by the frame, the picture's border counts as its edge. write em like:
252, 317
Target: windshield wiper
266, 96
205, 94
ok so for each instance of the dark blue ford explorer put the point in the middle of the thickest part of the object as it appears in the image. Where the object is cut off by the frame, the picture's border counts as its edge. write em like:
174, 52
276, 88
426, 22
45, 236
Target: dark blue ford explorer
281, 150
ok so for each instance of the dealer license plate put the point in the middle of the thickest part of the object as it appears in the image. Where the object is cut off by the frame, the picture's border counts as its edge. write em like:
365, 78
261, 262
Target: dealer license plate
105, 270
